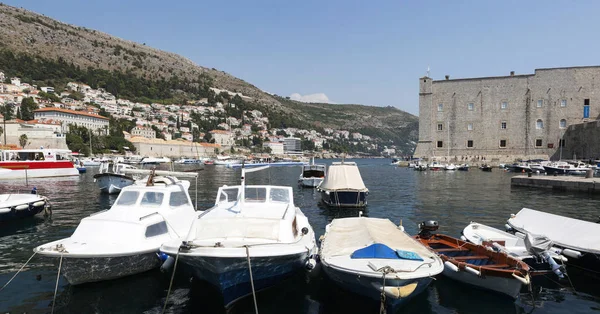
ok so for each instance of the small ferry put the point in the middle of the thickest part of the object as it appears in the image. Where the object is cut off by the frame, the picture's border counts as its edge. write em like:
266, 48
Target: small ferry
36, 163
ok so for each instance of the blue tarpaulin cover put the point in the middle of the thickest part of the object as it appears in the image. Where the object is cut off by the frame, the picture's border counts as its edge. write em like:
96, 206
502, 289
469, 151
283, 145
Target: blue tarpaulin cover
409, 255
376, 250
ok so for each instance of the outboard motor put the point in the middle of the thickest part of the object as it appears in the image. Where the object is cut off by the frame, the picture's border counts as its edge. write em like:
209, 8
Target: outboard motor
539, 245
427, 227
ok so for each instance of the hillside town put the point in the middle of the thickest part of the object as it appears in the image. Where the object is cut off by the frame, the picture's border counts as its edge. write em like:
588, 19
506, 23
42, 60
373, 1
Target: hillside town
161, 130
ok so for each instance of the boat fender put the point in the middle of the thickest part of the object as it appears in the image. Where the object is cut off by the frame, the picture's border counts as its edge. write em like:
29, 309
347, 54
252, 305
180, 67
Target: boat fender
22, 207
498, 247
462, 237
524, 281
451, 266
5, 210
472, 271
304, 230
167, 265
311, 263
39, 203
508, 228
572, 253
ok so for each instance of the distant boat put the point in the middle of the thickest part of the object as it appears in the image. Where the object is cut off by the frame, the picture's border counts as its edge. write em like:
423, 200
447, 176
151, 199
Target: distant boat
343, 186
312, 175
154, 160
36, 163
463, 167
486, 168
188, 161
112, 179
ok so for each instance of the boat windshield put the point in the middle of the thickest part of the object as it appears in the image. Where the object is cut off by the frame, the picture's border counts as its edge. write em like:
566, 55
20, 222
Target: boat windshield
128, 198
178, 199
152, 199
254, 194
279, 195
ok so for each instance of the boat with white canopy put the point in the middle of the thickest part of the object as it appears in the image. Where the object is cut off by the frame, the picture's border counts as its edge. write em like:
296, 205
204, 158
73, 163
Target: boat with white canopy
343, 186
124, 240
251, 239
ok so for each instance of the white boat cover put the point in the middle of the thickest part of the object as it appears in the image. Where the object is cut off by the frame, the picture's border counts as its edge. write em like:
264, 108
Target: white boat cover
571, 233
343, 176
345, 236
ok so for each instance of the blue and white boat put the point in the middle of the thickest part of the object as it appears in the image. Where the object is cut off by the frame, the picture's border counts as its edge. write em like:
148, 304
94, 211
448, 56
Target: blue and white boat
377, 259
343, 186
251, 239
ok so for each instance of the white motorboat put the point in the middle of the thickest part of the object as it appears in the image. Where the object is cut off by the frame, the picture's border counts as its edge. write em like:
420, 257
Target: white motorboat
125, 239
36, 163
537, 251
112, 179
374, 257
188, 161
89, 162
15, 206
154, 160
312, 175
577, 239
227, 160
343, 186
252, 238
450, 167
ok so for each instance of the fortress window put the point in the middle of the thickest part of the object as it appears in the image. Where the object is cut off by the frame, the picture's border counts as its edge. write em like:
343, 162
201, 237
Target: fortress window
470, 143
502, 143
440, 107
440, 144
503, 125
538, 143
470, 127
504, 105
539, 124
470, 106
540, 103
563, 123
440, 126
563, 102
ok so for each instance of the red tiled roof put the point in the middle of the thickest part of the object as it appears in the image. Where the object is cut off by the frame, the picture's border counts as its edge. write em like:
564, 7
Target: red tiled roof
81, 113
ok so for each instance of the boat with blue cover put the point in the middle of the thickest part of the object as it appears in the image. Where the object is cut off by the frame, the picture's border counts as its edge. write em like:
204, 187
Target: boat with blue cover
251, 239
475, 264
375, 258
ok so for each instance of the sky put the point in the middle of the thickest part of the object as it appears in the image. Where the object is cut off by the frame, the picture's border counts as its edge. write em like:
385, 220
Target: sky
358, 52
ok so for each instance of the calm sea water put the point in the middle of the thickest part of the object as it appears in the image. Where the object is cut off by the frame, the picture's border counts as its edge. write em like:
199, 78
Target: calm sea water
400, 194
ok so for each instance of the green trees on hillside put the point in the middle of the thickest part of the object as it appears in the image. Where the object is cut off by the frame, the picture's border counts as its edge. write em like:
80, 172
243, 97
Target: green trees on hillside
28, 105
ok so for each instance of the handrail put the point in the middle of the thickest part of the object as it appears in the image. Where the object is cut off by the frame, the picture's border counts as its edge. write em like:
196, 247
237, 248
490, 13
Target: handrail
144, 217
286, 210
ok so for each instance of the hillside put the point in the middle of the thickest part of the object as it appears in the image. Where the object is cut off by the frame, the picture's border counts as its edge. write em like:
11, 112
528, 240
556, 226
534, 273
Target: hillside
45, 51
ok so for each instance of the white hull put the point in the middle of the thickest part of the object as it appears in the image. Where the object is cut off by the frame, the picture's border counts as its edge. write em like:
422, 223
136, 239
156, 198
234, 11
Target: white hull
39, 173
91, 163
112, 184
227, 162
310, 182
507, 286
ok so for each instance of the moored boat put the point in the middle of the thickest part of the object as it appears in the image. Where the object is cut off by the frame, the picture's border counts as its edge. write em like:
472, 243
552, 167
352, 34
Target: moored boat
375, 258
252, 238
475, 264
16, 206
312, 175
36, 163
343, 186
112, 179
125, 239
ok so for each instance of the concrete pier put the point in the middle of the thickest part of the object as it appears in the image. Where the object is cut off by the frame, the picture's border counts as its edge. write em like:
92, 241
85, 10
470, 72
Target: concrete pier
559, 183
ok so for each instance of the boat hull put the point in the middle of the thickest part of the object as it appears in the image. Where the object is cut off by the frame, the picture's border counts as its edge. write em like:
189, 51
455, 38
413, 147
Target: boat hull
371, 286
110, 183
507, 286
310, 182
79, 270
37, 169
351, 199
231, 276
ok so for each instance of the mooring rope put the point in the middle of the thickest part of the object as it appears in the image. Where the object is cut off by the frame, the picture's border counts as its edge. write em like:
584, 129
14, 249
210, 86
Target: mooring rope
57, 280
251, 279
15, 275
171, 282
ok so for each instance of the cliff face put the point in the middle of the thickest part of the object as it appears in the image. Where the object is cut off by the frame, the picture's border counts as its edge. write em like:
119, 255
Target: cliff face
25, 32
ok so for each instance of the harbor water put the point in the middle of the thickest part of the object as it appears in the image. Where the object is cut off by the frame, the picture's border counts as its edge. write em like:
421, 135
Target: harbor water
400, 194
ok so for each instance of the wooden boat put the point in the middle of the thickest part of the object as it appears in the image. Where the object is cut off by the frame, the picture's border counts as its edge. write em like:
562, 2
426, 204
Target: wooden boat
475, 264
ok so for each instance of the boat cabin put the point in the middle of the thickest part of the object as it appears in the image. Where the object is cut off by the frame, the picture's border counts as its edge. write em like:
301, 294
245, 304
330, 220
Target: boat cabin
313, 171
35, 154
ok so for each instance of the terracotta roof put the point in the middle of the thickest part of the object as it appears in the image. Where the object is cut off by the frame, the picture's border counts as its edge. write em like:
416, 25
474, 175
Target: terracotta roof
220, 132
80, 113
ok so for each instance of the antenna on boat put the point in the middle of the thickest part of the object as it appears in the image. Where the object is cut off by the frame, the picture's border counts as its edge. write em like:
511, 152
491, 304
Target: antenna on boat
243, 183
150, 181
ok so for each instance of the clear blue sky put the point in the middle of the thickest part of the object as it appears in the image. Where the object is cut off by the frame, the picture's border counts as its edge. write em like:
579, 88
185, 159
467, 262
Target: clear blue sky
365, 52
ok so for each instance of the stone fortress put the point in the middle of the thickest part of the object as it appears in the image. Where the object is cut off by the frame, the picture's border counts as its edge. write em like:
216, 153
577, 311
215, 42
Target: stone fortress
502, 119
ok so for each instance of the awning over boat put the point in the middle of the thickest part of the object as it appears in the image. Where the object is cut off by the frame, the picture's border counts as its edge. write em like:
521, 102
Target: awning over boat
343, 176
568, 232
347, 235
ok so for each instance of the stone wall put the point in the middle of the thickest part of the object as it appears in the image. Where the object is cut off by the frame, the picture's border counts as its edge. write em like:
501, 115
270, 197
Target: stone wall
582, 141
512, 100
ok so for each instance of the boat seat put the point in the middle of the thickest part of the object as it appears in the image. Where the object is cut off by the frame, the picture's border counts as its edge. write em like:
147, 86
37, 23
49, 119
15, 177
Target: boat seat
496, 266
461, 258
458, 249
